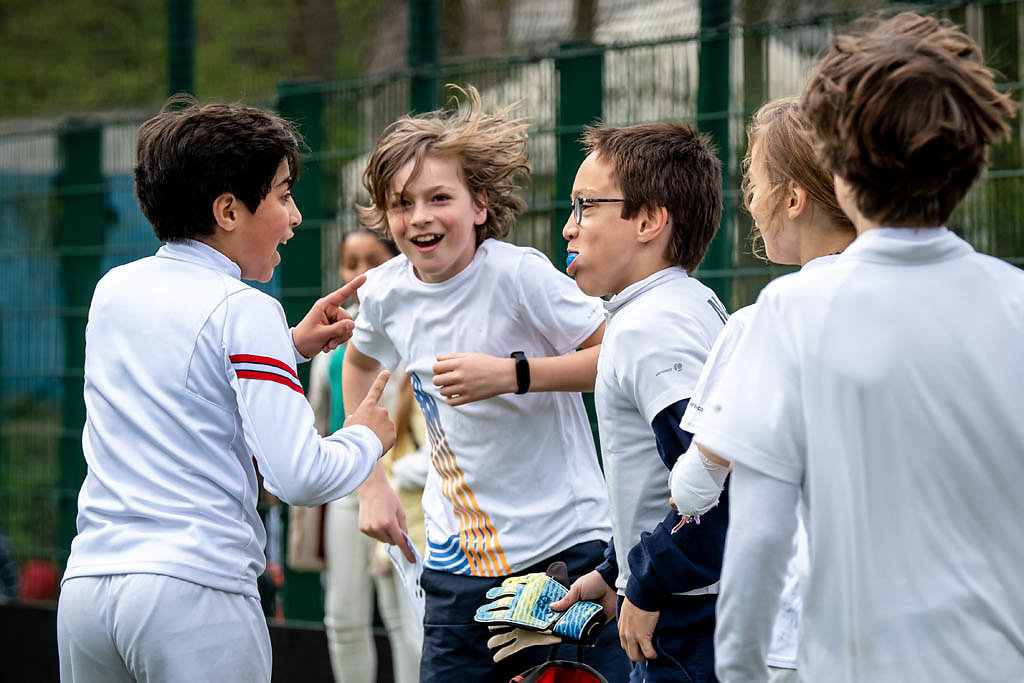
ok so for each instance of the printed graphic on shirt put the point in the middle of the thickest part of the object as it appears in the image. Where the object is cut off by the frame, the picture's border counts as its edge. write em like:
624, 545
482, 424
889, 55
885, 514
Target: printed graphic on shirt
447, 557
248, 366
475, 550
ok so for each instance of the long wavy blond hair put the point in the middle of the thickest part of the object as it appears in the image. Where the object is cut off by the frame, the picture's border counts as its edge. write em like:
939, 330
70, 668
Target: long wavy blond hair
489, 147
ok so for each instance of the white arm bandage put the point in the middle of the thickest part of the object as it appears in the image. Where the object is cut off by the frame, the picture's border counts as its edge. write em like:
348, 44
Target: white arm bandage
696, 483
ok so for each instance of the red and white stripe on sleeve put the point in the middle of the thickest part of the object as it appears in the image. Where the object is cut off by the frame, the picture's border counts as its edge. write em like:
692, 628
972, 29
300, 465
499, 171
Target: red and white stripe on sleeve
250, 366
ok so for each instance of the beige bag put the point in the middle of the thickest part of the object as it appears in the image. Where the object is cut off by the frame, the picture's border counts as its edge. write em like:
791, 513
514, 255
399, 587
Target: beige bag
306, 538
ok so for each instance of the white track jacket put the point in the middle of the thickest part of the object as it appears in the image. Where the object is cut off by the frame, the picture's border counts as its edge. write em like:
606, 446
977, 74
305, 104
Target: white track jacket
189, 377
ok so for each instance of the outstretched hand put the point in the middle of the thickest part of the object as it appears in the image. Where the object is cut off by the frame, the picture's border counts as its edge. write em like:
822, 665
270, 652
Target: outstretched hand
327, 325
468, 377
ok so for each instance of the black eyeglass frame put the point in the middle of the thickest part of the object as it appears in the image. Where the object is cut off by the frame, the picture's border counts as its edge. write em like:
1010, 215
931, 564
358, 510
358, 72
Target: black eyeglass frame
578, 203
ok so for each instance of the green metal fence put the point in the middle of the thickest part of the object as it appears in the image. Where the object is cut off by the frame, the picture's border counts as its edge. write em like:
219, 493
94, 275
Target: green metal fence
68, 214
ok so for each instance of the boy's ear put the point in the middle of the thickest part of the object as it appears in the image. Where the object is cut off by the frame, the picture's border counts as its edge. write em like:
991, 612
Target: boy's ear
654, 224
225, 211
480, 217
796, 201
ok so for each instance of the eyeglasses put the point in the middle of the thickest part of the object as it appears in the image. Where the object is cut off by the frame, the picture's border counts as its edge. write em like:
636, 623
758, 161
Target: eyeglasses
579, 202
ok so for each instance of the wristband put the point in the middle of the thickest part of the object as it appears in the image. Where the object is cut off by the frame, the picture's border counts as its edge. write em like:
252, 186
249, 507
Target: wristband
522, 372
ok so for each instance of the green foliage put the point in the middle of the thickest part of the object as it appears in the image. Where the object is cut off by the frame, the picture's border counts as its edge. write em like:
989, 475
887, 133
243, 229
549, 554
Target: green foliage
94, 55
243, 49
79, 55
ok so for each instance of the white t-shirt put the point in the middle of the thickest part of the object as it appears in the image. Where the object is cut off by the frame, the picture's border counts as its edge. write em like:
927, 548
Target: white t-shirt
889, 386
786, 631
189, 375
515, 478
658, 336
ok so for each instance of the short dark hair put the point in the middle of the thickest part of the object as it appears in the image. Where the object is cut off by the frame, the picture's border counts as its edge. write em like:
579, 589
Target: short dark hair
670, 165
187, 157
905, 110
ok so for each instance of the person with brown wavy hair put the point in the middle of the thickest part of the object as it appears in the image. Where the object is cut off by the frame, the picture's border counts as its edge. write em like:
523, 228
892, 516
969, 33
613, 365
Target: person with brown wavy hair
797, 221
784, 181
490, 148
905, 115
883, 393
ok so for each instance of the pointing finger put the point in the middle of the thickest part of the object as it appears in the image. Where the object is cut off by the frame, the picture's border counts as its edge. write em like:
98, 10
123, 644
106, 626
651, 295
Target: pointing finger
341, 294
374, 394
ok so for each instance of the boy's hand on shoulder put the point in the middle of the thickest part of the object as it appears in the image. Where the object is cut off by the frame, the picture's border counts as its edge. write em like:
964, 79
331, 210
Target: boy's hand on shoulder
371, 414
636, 629
327, 325
468, 377
592, 587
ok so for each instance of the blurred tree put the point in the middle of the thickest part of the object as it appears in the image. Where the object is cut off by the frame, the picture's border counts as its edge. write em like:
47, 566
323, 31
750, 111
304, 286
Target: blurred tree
315, 36
80, 55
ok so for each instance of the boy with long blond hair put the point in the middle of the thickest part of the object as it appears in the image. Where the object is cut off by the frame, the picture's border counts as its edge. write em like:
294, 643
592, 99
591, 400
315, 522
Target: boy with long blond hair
478, 322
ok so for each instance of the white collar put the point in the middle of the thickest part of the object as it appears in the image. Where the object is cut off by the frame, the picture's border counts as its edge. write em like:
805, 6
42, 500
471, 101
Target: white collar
906, 246
820, 261
200, 253
637, 288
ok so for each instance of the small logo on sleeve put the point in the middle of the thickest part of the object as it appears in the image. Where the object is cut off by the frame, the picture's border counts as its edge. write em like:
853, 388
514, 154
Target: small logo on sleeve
676, 367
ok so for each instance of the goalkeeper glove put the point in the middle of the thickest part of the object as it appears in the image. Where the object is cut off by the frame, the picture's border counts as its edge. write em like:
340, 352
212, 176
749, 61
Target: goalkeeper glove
523, 602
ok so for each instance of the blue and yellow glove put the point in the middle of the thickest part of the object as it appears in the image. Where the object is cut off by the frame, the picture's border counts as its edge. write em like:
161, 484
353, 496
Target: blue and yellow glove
522, 602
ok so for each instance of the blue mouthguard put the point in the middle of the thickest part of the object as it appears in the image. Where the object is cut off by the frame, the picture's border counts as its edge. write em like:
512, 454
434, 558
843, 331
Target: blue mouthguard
570, 258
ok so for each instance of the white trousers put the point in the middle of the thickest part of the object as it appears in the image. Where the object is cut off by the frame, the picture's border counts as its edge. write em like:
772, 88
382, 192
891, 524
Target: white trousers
348, 604
153, 628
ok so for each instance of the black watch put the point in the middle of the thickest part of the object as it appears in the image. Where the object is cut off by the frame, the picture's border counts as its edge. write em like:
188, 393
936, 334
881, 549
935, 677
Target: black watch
522, 372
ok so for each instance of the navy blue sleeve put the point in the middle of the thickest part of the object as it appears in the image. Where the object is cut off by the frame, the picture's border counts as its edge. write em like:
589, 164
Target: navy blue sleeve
663, 562
672, 439
609, 569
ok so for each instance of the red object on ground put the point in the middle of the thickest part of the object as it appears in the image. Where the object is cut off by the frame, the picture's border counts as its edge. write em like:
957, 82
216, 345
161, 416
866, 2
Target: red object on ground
38, 580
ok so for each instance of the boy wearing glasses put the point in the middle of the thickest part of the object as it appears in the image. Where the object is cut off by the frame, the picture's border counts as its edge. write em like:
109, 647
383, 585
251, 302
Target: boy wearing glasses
647, 201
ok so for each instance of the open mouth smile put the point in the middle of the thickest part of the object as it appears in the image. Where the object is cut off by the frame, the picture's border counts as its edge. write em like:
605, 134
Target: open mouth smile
427, 241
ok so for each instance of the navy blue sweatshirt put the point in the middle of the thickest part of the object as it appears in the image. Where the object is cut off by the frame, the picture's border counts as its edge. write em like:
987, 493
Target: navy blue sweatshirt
663, 563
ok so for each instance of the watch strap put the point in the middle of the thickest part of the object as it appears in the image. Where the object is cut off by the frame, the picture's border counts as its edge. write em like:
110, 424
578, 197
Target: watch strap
522, 372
